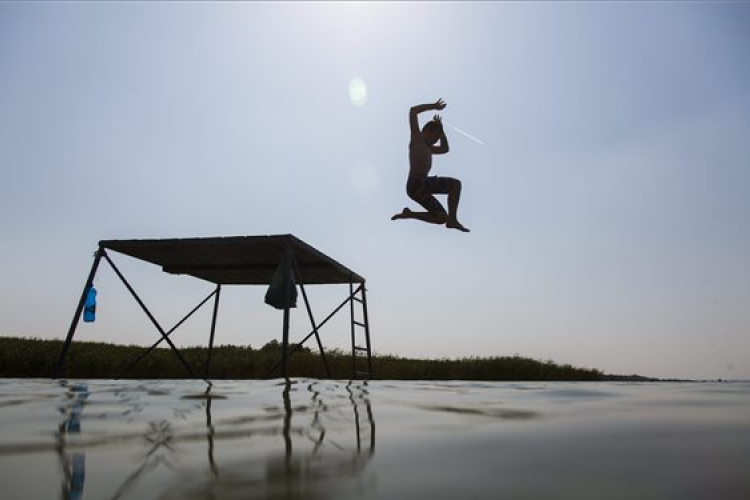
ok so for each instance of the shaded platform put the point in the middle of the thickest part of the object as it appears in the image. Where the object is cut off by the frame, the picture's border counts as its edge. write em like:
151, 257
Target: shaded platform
240, 260
237, 260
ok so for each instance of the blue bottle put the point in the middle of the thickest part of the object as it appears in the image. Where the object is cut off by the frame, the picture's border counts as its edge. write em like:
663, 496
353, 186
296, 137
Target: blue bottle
89, 306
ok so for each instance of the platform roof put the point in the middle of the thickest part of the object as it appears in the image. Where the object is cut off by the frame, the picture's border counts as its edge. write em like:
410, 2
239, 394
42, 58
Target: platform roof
236, 260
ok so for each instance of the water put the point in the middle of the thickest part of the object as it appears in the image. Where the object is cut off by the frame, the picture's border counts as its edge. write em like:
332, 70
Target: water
313, 439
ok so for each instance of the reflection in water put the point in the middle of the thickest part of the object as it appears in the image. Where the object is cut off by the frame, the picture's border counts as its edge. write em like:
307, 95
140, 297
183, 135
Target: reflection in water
311, 475
313, 464
357, 396
503, 414
73, 464
310, 439
287, 426
160, 441
318, 409
211, 431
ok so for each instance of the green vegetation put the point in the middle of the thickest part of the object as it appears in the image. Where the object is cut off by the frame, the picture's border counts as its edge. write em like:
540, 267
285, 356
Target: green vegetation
23, 358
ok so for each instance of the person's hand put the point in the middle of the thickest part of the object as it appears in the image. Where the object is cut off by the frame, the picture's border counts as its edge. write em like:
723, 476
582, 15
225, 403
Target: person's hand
439, 104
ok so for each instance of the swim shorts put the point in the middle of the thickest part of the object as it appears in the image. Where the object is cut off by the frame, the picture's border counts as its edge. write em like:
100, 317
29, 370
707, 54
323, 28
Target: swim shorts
421, 189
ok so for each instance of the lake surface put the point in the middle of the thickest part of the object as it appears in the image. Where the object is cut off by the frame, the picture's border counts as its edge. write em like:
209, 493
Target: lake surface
321, 439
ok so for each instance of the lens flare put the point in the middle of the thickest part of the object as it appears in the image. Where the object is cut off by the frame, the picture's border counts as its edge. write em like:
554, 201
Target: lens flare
358, 92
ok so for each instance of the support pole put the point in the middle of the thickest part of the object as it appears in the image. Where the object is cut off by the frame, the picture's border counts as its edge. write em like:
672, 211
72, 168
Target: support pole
285, 345
285, 335
213, 330
77, 316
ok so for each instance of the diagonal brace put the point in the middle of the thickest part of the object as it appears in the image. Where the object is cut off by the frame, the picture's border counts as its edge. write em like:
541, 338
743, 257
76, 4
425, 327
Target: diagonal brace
312, 319
156, 344
148, 313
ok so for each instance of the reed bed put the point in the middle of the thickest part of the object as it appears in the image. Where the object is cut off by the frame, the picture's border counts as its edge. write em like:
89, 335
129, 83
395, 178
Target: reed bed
32, 358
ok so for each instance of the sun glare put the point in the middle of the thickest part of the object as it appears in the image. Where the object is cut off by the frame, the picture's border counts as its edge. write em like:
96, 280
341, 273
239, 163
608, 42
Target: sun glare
358, 92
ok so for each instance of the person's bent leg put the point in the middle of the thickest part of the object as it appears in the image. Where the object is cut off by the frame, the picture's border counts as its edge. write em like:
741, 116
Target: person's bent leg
454, 196
431, 217
435, 212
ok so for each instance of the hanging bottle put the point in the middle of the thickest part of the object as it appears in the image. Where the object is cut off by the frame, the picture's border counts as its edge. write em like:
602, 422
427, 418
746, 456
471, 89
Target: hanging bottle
89, 306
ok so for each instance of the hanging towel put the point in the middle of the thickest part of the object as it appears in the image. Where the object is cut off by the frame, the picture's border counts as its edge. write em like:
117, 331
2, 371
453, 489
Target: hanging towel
282, 293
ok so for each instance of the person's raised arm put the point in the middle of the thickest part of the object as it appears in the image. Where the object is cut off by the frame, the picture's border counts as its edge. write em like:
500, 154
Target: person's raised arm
415, 110
444, 147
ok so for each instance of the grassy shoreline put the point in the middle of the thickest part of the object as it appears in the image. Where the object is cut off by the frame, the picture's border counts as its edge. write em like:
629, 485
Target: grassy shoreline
35, 358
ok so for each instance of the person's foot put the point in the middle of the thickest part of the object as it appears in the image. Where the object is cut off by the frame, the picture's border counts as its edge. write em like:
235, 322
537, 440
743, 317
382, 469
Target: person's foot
403, 215
454, 224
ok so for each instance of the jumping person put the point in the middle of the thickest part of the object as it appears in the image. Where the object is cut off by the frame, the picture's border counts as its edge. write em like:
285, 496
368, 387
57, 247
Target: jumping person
422, 187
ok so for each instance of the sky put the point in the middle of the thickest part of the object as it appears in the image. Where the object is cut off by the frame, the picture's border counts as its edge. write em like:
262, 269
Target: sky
603, 151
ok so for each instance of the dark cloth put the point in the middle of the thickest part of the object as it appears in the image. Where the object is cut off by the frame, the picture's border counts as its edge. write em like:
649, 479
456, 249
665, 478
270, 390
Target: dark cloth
282, 293
422, 188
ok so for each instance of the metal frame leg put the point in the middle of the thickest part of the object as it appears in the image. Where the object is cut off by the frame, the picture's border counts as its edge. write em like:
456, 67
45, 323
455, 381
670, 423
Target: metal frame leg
213, 330
285, 331
285, 345
77, 316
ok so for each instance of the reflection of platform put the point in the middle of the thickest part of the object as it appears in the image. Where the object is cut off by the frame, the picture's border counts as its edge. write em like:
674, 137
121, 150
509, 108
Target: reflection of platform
315, 462
185, 439
241, 260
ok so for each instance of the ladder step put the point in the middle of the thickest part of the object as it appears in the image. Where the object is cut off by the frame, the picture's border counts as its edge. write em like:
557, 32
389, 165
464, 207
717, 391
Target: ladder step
358, 348
359, 324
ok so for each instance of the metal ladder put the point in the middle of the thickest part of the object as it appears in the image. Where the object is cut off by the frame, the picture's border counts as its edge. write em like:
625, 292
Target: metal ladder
358, 351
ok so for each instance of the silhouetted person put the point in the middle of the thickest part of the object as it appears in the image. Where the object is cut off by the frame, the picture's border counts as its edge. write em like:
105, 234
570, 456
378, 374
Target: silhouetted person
420, 186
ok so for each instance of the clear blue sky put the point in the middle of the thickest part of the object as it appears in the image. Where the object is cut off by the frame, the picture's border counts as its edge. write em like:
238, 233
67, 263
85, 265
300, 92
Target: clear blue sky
608, 204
